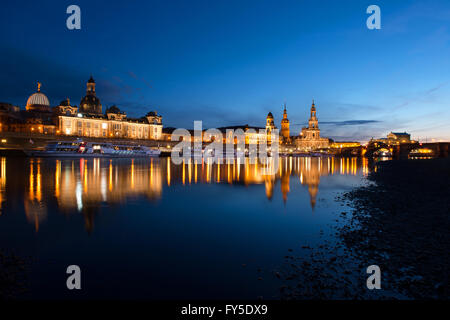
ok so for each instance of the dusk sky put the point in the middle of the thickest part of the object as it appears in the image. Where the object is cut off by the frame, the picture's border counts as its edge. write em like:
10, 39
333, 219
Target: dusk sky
231, 62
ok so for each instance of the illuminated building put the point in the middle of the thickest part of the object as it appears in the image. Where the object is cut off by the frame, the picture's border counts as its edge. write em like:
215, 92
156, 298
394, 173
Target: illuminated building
114, 124
252, 135
90, 122
270, 125
8, 113
398, 137
344, 144
394, 138
38, 101
309, 138
285, 132
36, 118
85, 121
65, 108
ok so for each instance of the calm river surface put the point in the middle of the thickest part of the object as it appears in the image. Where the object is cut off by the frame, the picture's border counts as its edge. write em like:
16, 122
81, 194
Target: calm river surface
148, 229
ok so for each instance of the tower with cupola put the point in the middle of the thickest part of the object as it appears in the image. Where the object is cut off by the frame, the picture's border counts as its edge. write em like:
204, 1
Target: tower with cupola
285, 132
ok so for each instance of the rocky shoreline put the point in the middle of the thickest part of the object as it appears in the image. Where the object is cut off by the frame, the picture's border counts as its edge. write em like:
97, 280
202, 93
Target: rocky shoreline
400, 222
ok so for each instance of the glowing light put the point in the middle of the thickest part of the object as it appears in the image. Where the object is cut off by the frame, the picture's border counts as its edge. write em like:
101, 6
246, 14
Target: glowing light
79, 196
183, 173
31, 182
168, 171
195, 174
57, 178
38, 182
190, 170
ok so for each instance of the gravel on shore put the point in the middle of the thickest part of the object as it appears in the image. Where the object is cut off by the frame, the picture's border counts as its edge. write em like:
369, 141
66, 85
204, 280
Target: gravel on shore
400, 222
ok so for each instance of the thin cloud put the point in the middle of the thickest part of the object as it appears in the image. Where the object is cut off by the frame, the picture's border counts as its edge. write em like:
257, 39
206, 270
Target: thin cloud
349, 122
145, 82
345, 122
423, 96
430, 91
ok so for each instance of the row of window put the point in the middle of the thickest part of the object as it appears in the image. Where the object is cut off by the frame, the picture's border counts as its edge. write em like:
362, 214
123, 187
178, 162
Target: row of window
67, 124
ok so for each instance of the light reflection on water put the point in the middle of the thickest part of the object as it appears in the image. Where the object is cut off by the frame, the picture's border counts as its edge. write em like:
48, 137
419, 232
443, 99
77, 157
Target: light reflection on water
86, 183
166, 231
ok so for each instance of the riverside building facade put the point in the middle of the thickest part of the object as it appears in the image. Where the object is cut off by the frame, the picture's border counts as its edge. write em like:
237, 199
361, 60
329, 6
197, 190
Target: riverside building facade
87, 120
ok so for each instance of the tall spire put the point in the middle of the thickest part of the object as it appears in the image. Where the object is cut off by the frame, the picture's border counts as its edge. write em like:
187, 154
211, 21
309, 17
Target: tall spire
39, 87
284, 113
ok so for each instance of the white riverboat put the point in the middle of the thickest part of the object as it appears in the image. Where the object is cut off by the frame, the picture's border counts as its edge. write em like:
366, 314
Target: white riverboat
82, 149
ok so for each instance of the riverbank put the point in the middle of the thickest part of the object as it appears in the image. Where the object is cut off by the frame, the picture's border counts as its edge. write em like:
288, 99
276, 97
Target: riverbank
13, 275
403, 225
400, 222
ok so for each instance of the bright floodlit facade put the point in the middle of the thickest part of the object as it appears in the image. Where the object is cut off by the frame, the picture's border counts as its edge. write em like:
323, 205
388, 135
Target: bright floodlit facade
87, 120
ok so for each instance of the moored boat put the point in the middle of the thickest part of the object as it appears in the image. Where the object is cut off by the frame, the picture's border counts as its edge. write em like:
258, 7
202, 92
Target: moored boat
82, 149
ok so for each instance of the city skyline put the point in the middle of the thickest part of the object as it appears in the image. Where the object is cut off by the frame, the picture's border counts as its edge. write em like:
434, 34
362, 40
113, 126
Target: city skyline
235, 69
224, 158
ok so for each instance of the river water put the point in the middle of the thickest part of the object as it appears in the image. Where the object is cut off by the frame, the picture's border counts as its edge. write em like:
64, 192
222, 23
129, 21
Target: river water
149, 229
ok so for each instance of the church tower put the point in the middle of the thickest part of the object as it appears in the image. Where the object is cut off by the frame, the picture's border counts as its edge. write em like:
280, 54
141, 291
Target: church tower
90, 86
285, 133
270, 124
313, 121
310, 138
90, 104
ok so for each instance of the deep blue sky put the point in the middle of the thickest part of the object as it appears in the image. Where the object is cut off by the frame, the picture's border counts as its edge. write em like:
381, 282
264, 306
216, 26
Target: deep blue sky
231, 62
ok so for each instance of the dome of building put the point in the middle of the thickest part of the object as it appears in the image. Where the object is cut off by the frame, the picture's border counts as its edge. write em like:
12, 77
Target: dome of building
38, 98
38, 101
270, 115
65, 102
90, 104
113, 109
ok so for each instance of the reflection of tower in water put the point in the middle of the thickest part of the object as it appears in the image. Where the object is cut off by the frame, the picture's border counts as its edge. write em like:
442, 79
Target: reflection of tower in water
269, 182
310, 171
285, 171
87, 185
35, 208
237, 171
